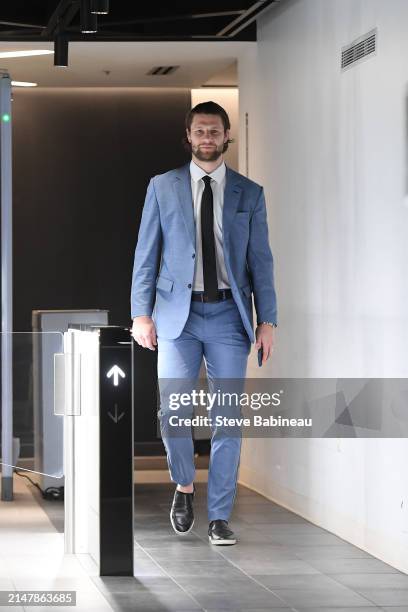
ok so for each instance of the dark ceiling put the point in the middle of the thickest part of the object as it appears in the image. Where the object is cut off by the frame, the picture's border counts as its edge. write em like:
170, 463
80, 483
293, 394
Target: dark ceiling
41, 20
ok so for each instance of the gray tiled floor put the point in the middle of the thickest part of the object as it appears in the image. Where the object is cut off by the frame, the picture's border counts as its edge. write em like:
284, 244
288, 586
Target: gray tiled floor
281, 563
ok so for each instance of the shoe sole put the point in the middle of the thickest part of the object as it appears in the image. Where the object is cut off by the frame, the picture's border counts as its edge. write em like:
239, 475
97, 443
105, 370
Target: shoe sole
182, 533
221, 542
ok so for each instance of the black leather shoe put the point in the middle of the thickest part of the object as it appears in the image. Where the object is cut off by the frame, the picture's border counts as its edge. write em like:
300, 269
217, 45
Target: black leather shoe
181, 513
220, 534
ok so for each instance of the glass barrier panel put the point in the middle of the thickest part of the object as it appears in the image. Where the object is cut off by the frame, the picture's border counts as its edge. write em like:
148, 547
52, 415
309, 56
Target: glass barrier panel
37, 391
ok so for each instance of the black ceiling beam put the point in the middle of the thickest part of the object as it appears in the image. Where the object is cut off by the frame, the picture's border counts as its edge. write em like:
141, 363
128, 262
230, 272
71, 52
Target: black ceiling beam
17, 24
73, 37
11, 33
106, 37
69, 15
114, 36
61, 18
169, 18
244, 20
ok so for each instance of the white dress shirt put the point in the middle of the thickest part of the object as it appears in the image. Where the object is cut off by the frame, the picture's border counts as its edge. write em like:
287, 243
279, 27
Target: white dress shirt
218, 177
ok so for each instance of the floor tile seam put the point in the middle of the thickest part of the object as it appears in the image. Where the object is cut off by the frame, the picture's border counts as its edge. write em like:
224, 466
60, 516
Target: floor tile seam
286, 605
172, 578
316, 609
297, 555
395, 571
100, 592
15, 589
367, 588
372, 603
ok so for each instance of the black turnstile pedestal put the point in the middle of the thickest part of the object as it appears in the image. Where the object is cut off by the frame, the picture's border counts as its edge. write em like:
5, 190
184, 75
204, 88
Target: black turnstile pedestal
116, 451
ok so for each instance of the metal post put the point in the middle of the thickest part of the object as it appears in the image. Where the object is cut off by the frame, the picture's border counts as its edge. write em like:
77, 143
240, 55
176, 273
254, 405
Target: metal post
6, 289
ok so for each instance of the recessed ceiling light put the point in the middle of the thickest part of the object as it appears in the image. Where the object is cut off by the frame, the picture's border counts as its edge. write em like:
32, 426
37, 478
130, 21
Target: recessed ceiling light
23, 84
25, 53
100, 7
89, 21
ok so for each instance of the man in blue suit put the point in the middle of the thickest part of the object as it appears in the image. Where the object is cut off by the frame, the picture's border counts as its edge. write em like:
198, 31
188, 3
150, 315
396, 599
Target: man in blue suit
202, 251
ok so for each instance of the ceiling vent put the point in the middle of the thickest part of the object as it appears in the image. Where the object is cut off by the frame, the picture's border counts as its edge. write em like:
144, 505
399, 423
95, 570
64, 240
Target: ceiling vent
359, 49
162, 70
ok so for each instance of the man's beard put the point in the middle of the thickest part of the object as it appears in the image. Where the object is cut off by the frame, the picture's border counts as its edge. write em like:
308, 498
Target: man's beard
211, 155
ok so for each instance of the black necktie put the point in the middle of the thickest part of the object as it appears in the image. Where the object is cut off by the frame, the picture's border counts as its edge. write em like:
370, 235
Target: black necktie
208, 243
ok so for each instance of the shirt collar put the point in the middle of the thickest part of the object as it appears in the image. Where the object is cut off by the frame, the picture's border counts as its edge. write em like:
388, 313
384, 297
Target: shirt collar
217, 175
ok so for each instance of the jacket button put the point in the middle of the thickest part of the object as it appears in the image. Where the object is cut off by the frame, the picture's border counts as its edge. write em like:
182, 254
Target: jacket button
193, 255
189, 285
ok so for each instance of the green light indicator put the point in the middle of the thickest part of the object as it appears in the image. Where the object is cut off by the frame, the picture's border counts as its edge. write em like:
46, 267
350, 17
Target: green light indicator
5, 117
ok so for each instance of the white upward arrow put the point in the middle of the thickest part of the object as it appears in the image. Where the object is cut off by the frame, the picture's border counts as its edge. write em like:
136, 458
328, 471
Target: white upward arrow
115, 372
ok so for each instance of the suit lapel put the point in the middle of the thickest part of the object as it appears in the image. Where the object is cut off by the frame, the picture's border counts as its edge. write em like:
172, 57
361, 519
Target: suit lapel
232, 196
182, 186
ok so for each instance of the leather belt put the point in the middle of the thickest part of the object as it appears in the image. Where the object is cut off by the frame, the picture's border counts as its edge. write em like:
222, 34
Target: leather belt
223, 294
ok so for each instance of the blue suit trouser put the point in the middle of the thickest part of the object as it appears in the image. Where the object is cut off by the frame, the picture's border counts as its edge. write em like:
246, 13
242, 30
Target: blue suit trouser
214, 331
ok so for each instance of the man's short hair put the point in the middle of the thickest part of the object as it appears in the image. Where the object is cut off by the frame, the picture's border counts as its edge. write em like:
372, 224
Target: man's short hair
206, 108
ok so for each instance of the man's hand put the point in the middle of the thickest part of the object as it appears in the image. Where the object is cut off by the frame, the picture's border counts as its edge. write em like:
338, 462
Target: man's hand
265, 338
144, 332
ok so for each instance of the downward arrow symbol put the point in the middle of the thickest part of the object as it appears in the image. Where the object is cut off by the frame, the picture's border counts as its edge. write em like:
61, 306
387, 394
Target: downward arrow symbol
116, 418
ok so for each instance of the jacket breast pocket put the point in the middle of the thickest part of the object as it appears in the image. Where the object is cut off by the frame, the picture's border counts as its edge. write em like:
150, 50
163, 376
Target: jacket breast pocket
240, 228
164, 283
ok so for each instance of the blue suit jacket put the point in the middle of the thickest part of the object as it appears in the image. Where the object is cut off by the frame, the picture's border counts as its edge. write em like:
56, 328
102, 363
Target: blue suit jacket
164, 260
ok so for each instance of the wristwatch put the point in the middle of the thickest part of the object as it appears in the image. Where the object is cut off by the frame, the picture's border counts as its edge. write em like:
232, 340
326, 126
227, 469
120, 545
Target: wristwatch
268, 323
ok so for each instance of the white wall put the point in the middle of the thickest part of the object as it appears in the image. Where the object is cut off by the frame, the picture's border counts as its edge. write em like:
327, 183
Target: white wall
228, 99
330, 149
